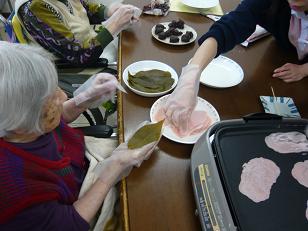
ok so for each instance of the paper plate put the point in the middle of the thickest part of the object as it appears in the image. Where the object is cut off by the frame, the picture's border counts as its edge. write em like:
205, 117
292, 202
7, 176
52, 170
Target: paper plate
146, 65
202, 105
222, 72
201, 3
283, 106
167, 40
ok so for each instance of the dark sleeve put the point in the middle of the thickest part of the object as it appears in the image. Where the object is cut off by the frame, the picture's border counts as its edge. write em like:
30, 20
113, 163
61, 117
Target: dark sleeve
95, 12
47, 216
234, 27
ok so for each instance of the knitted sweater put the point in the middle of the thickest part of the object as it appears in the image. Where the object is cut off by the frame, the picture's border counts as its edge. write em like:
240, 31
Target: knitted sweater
34, 179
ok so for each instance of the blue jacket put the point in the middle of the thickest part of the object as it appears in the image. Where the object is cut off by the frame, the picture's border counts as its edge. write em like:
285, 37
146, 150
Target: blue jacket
236, 26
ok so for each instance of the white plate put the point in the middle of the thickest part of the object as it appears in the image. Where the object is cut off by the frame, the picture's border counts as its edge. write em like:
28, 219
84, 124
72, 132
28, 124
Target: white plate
283, 106
201, 3
202, 105
222, 72
146, 65
167, 40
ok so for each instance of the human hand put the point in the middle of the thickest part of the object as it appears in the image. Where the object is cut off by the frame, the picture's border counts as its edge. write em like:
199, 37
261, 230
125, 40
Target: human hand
182, 101
121, 162
121, 18
290, 72
112, 8
97, 89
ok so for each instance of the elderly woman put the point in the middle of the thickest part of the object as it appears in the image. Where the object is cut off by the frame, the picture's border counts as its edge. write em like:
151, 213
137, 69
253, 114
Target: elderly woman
63, 26
42, 159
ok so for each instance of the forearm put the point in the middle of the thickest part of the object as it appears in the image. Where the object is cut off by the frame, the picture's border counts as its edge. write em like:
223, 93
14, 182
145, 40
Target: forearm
71, 111
88, 205
205, 53
109, 172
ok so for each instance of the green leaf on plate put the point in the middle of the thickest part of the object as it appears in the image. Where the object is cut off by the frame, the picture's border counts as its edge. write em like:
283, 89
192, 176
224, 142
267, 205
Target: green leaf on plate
145, 135
151, 81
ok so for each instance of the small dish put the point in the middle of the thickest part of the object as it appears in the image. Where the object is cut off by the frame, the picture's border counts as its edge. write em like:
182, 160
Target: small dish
222, 72
200, 3
167, 40
283, 106
146, 65
202, 105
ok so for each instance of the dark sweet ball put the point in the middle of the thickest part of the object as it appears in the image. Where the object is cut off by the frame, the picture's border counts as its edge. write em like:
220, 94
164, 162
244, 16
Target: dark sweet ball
162, 35
172, 24
177, 24
190, 34
185, 38
176, 32
180, 24
169, 32
160, 26
158, 30
174, 39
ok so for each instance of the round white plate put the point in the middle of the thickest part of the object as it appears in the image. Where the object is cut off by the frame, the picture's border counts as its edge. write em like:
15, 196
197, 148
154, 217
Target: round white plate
146, 65
200, 3
222, 72
202, 105
167, 40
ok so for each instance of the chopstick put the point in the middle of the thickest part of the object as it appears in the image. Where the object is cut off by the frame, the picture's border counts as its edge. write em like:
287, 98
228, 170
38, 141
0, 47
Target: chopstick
275, 99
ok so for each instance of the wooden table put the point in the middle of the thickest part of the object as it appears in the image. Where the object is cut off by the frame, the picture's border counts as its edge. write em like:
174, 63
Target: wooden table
158, 195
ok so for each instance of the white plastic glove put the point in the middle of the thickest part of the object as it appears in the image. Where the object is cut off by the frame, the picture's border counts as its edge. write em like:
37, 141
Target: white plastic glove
122, 18
96, 90
112, 8
182, 101
121, 162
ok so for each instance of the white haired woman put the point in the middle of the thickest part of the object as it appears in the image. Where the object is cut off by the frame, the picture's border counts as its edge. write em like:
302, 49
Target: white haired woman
42, 159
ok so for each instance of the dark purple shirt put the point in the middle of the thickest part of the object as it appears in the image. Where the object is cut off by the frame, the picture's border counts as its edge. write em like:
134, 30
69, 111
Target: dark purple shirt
50, 215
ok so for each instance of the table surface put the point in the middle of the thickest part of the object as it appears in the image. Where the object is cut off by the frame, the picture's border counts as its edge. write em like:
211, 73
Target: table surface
159, 194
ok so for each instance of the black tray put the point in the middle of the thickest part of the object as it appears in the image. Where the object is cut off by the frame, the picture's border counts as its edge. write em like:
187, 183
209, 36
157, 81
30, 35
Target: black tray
237, 142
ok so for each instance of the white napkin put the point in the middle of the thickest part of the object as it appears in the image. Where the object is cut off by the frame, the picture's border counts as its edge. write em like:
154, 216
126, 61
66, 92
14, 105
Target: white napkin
260, 32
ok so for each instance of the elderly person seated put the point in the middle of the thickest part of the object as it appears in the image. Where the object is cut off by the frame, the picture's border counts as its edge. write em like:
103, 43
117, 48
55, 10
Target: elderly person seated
63, 26
42, 159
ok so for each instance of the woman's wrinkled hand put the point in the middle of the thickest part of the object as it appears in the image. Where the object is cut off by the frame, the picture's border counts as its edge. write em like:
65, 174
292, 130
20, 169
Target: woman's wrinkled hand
290, 72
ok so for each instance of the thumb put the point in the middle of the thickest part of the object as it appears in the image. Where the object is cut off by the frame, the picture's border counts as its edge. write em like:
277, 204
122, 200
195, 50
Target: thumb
146, 149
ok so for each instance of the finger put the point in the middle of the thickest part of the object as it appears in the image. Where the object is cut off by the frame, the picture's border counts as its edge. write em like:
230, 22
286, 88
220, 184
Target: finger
283, 68
146, 148
281, 74
104, 77
289, 80
147, 156
286, 76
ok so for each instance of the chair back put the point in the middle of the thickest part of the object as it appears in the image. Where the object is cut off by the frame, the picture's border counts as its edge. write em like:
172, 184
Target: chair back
18, 30
6, 30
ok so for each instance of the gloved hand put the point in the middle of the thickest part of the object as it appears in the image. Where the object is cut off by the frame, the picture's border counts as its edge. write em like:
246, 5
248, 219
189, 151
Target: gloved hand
181, 102
121, 18
121, 162
96, 90
112, 8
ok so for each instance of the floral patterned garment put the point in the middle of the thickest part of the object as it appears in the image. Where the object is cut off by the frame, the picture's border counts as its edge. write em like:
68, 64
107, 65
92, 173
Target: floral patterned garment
46, 26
